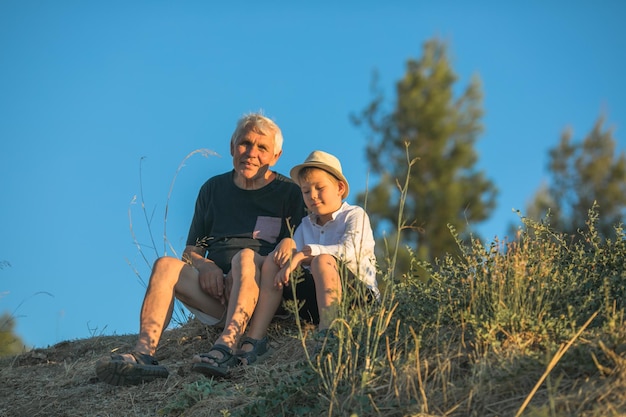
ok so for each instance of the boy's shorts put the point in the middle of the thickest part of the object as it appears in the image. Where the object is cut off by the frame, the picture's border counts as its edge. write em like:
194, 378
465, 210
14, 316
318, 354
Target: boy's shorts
307, 298
305, 294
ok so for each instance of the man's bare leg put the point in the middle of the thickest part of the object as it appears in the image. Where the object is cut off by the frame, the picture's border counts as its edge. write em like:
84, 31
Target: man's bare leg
170, 278
246, 272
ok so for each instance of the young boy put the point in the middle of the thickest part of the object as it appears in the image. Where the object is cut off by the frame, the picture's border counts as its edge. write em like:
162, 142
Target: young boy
334, 242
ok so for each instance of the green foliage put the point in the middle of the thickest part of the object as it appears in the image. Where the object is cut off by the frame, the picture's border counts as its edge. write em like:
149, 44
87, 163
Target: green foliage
192, 394
540, 286
292, 392
440, 130
582, 174
10, 343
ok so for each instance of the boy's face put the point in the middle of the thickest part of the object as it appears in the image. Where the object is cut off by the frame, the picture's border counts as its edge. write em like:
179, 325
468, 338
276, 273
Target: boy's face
322, 193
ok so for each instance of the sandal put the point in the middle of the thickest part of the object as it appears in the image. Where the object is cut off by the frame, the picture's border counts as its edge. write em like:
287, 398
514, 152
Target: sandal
259, 348
129, 369
220, 365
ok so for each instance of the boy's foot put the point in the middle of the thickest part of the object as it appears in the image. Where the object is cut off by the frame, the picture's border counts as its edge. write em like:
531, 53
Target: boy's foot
258, 351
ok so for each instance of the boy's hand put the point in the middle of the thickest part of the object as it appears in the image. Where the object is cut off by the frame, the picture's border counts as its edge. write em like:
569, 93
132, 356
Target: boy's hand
284, 251
282, 278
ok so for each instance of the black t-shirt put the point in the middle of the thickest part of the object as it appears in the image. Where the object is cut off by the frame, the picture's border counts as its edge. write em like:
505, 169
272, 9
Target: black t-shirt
228, 218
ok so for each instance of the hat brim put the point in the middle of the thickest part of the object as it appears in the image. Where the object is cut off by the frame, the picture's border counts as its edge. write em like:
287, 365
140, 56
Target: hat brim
295, 174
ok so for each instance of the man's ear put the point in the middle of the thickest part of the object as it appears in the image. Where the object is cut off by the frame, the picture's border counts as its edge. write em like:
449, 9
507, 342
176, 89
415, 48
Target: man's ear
275, 159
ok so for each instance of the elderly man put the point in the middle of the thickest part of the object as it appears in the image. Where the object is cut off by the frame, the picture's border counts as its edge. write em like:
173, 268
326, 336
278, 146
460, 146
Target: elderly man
240, 216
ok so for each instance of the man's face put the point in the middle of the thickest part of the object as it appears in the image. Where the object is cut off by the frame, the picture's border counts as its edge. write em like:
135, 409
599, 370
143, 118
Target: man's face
253, 155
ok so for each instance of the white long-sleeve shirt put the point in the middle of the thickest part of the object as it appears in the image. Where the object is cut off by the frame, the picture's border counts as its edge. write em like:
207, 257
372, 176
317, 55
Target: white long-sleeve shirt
348, 237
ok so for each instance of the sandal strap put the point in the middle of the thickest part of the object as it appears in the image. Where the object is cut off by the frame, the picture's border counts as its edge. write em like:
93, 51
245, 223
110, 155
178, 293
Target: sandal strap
247, 340
139, 358
144, 358
227, 353
259, 348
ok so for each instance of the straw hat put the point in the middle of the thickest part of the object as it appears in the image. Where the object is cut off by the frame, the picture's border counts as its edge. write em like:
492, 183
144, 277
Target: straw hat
321, 160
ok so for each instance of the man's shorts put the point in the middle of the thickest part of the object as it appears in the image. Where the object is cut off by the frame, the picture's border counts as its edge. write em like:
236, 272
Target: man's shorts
205, 318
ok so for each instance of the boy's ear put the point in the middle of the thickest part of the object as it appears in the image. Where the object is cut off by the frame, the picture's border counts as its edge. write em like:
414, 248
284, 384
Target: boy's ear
342, 187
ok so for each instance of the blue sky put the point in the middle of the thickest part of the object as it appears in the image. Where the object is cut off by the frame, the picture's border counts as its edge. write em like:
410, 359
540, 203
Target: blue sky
88, 89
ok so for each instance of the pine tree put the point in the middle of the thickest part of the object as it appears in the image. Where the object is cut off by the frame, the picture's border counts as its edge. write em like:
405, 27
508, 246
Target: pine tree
582, 174
439, 130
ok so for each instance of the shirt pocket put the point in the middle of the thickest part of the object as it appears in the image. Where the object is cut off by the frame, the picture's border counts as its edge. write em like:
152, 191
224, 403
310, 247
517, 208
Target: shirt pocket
267, 228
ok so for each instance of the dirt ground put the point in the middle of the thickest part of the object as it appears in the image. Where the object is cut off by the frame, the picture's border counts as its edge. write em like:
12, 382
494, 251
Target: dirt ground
61, 380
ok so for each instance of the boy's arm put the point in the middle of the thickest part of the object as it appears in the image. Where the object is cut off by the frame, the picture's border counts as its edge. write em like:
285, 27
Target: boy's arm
358, 237
284, 251
298, 258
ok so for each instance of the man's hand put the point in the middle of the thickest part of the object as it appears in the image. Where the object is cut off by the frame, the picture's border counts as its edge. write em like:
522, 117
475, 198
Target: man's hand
210, 276
211, 279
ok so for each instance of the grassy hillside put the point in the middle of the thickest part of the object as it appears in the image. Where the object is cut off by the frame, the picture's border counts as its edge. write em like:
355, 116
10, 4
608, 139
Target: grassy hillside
532, 327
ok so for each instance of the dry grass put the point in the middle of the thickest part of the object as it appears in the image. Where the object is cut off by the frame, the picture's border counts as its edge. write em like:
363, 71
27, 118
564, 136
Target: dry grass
61, 380
590, 380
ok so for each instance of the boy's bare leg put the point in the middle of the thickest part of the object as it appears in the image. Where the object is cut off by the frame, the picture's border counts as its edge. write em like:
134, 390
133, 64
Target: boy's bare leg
327, 288
270, 298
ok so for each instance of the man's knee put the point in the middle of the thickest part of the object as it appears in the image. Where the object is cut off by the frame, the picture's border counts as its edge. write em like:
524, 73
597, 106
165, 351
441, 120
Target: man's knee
244, 254
168, 269
243, 257
166, 263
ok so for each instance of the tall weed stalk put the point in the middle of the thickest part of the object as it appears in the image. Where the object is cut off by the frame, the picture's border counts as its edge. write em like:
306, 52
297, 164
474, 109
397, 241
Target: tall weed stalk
148, 218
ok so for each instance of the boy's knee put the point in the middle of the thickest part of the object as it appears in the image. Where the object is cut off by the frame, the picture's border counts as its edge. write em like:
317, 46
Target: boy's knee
323, 261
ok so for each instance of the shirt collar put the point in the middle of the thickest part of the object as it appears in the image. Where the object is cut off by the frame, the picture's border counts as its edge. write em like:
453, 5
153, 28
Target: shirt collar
343, 206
